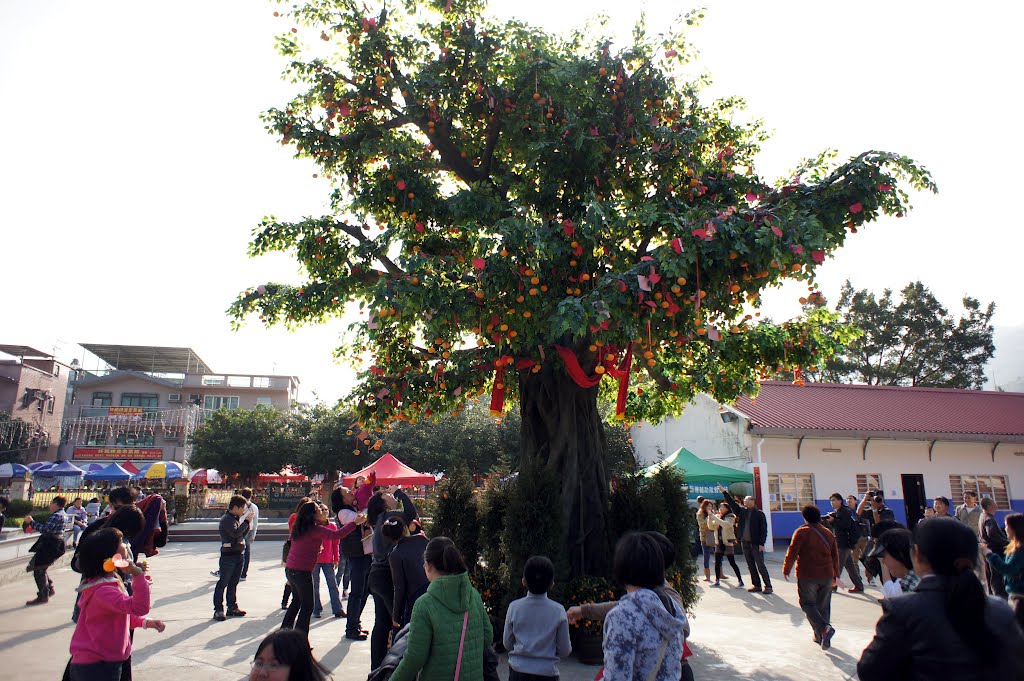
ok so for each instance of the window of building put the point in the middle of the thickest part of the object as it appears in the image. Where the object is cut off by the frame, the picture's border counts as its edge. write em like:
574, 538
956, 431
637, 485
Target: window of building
49, 405
867, 482
268, 401
261, 381
102, 399
96, 439
790, 491
215, 402
135, 439
993, 486
151, 400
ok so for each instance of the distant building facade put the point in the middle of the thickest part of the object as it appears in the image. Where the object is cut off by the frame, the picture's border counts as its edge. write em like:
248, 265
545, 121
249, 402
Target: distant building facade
146, 405
804, 443
33, 388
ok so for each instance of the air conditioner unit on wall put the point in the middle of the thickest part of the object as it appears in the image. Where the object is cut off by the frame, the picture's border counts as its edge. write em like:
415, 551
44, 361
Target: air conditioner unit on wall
174, 397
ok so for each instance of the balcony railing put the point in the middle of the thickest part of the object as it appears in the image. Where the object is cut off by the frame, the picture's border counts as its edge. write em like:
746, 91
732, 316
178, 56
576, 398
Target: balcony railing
238, 381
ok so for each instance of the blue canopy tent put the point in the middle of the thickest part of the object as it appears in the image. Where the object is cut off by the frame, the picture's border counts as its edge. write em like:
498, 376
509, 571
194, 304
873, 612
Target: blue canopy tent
62, 473
110, 473
61, 469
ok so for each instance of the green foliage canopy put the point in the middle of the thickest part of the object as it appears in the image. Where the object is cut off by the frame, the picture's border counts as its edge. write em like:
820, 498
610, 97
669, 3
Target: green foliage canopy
913, 341
245, 441
499, 190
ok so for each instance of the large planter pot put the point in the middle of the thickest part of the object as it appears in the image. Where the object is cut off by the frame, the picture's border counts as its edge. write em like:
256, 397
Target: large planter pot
588, 647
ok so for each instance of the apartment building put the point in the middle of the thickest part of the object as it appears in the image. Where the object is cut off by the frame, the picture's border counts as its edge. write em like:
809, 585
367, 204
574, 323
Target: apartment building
147, 400
33, 388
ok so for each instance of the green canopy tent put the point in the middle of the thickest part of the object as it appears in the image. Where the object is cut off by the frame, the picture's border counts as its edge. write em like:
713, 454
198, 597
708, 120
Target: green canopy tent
702, 477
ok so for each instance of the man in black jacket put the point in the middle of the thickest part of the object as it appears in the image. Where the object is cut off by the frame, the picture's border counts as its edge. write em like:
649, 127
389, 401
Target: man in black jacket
846, 527
753, 533
233, 529
995, 539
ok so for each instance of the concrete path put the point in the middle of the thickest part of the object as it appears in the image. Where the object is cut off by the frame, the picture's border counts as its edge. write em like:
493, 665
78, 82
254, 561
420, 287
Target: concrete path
736, 635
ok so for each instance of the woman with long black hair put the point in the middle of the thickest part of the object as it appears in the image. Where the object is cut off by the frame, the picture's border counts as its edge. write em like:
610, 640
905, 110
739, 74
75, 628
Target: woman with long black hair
724, 525
307, 533
383, 505
947, 628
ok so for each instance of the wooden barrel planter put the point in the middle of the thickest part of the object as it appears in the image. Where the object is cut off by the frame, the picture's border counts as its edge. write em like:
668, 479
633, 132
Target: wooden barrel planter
588, 647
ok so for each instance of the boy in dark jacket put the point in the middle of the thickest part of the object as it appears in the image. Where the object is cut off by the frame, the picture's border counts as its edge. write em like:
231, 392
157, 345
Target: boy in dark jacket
233, 529
47, 549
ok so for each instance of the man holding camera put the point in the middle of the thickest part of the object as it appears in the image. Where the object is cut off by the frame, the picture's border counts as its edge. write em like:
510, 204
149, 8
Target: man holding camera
234, 525
753, 533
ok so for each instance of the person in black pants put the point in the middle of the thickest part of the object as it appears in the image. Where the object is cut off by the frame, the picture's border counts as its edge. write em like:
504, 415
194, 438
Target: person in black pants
753, 534
233, 529
846, 527
384, 506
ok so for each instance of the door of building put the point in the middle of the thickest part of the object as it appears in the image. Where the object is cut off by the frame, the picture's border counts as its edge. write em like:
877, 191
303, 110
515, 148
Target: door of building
914, 499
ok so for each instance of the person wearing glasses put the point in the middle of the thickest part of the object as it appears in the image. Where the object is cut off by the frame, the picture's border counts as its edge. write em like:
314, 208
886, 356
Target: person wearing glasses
285, 655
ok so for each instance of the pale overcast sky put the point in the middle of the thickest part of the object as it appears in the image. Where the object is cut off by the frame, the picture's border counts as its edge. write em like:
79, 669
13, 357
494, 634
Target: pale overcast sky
134, 165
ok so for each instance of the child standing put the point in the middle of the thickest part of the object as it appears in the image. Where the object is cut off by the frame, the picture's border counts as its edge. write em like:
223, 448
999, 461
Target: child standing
47, 549
101, 645
536, 628
326, 563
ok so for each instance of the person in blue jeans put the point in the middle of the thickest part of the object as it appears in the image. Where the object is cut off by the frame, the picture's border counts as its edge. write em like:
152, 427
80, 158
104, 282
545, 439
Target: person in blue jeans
344, 576
326, 563
233, 528
357, 549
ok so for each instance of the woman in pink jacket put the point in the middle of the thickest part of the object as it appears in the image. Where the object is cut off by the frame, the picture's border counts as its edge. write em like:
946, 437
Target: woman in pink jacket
308, 532
101, 646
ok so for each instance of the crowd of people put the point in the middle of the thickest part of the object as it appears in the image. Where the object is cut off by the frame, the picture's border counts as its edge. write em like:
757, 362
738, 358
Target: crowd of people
953, 588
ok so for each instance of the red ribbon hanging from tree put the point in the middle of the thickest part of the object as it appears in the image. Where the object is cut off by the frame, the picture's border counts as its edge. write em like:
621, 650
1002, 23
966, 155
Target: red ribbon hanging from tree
498, 389
576, 373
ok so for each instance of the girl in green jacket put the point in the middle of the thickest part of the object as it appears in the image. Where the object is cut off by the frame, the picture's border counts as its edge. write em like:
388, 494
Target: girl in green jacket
447, 620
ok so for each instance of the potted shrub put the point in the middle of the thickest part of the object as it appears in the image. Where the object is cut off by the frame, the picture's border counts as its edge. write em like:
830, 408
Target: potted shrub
587, 635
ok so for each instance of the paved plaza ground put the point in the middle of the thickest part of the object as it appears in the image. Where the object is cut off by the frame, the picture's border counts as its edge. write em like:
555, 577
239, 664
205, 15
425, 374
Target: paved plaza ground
736, 635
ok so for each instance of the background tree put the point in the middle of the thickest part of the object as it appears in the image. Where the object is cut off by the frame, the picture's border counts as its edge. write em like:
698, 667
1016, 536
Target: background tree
245, 441
524, 213
327, 442
913, 341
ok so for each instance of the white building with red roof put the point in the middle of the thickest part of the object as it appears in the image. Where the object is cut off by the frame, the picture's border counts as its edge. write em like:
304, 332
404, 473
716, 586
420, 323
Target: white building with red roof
804, 443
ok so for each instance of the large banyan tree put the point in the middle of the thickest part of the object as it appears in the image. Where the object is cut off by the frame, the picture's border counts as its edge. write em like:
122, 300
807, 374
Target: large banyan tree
540, 218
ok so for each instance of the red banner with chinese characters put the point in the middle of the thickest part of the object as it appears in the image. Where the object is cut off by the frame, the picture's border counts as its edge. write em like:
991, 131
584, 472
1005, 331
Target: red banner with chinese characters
117, 453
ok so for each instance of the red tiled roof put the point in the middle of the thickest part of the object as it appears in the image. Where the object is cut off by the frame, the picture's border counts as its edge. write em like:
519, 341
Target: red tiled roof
884, 409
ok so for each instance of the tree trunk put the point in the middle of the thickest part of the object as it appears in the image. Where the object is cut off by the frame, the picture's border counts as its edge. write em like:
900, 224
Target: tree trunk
563, 435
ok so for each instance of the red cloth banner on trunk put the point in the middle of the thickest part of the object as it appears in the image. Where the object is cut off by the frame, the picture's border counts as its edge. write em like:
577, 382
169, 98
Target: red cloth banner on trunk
498, 389
575, 371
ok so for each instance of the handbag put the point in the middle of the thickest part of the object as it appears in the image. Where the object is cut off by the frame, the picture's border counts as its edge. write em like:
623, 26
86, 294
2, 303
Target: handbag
462, 643
285, 549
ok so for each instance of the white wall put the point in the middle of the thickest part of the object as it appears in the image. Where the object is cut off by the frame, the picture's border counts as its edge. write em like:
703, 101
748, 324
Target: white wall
700, 429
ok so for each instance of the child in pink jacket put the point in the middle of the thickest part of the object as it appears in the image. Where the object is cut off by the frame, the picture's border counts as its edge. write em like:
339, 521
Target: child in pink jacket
101, 645
326, 564
364, 490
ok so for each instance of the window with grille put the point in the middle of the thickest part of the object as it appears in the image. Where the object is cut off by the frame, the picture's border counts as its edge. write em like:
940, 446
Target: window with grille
867, 482
790, 491
135, 439
215, 402
993, 486
140, 400
101, 399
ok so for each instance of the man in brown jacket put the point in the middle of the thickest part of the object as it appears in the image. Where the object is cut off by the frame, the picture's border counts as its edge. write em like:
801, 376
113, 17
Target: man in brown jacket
816, 554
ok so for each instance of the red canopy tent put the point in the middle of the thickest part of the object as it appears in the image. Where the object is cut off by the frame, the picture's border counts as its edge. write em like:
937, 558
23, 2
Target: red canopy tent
130, 467
391, 471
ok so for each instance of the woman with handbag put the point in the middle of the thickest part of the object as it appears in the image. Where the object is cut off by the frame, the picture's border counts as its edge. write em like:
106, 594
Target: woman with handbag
449, 630
724, 525
707, 534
